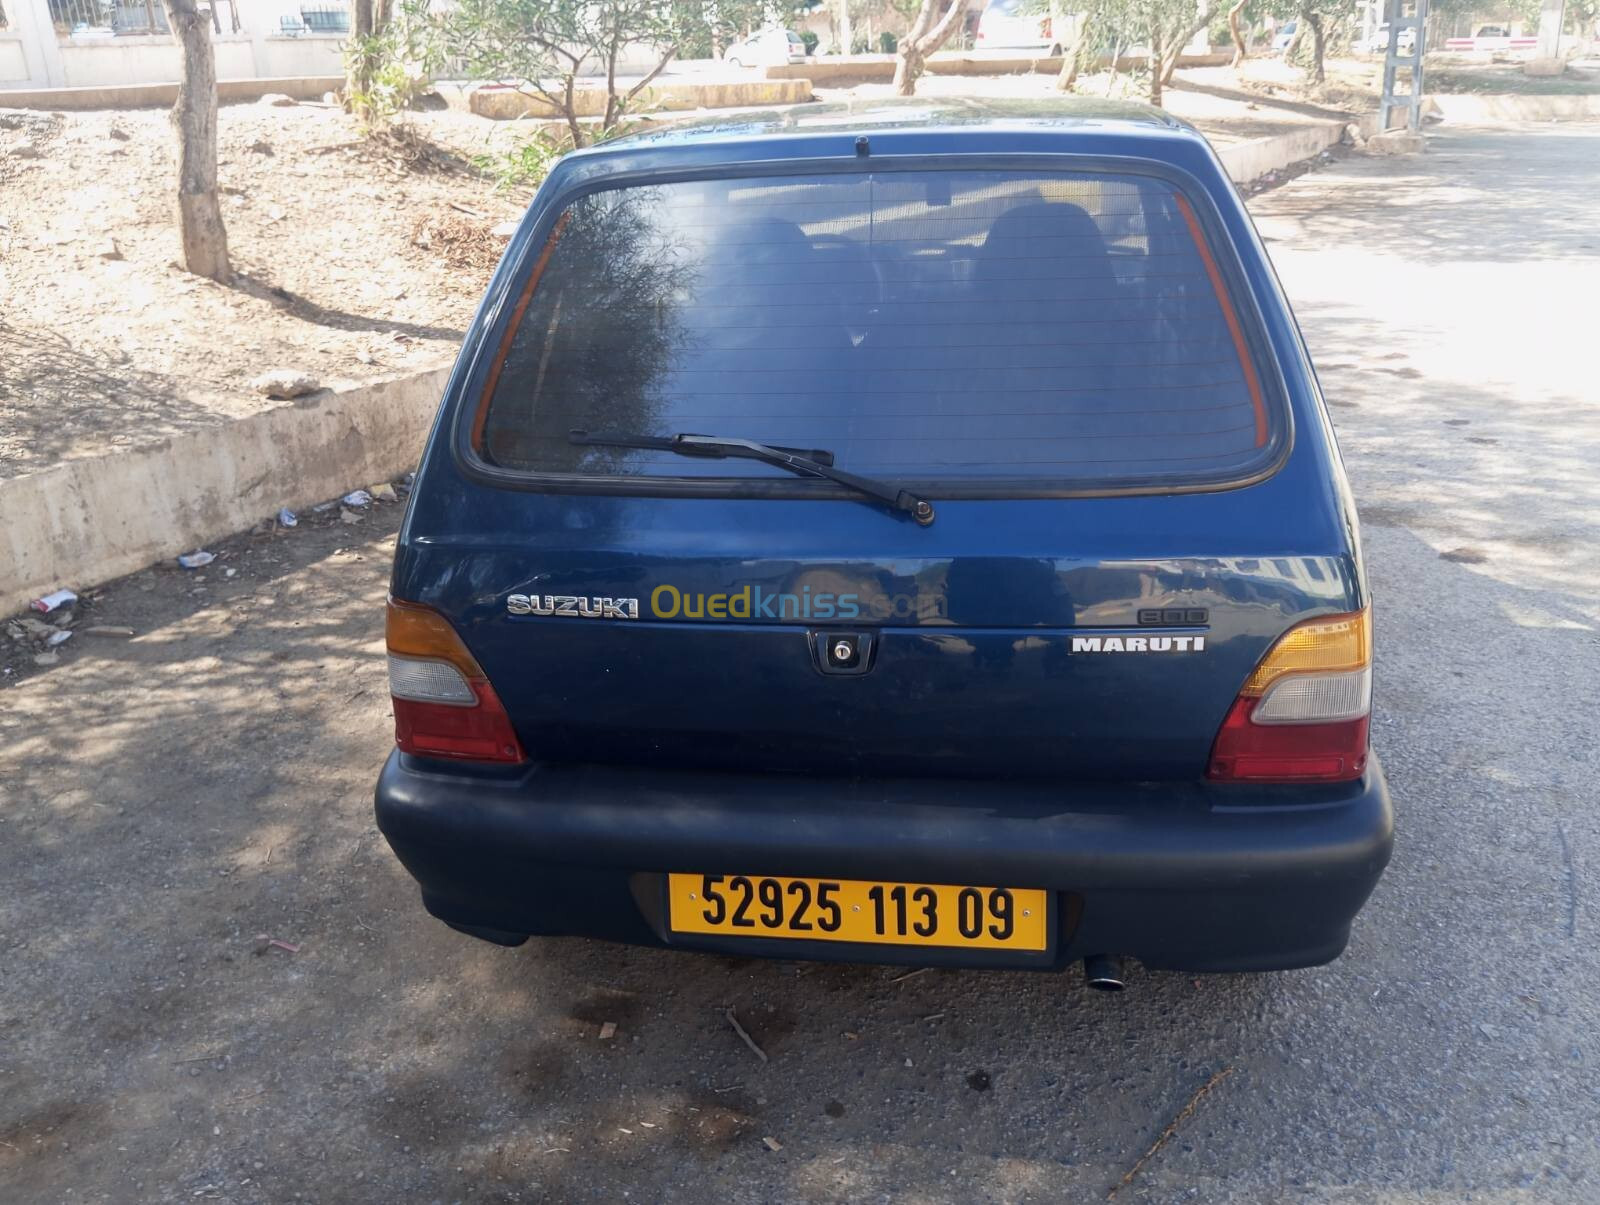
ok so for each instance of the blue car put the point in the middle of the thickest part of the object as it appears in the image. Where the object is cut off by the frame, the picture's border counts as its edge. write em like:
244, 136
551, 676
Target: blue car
899, 534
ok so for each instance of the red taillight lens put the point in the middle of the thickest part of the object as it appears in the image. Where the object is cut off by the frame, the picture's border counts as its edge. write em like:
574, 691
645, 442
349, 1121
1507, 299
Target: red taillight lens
443, 703
1250, 752
1303, 714
1045, 26
481, 732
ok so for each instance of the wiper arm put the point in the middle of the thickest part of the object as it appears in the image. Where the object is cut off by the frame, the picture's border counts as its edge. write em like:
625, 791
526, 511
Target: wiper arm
813, 462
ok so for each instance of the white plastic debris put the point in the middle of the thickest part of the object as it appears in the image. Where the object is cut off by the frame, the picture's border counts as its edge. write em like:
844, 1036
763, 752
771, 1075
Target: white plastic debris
57, 598
357, 498
197, 560
60, 637
287, 517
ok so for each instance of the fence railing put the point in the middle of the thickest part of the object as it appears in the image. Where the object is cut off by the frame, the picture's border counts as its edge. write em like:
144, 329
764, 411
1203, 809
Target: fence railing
119, 18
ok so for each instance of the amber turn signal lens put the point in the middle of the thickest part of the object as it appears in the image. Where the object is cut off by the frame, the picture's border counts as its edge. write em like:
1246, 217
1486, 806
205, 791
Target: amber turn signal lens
412, 630
1321, 646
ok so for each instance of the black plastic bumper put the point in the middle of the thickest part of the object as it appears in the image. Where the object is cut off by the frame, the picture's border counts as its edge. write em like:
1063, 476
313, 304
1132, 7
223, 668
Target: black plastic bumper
1180, 876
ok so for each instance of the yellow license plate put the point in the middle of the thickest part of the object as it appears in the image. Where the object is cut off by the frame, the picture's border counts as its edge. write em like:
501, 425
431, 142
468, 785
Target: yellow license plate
856, 910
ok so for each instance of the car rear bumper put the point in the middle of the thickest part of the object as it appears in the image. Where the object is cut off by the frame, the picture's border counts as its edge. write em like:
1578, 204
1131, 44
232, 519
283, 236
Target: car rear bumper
1181, 876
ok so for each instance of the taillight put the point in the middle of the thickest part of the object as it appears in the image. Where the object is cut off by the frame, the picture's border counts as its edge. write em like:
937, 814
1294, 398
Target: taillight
1045, 27
1303, 714
443, 703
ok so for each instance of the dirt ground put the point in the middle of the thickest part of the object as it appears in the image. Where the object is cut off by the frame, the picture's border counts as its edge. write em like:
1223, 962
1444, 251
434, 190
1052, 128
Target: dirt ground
107, 343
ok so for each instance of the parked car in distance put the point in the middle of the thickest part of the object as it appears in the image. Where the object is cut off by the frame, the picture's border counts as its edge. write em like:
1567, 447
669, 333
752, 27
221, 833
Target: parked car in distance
894, 533
1283, 36
1016, 25
1378, 42
769, 48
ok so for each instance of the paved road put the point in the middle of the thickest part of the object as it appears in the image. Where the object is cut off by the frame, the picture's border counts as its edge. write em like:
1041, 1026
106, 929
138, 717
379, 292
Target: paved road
168, 800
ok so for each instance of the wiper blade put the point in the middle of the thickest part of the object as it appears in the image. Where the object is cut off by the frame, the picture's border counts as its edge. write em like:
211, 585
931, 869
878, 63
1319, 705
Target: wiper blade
813, 462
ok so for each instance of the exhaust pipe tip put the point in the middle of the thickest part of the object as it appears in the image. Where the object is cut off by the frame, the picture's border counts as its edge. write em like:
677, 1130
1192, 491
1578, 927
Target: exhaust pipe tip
1103, 972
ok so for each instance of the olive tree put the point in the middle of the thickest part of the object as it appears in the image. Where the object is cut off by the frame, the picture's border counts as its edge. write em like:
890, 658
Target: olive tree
543, 47
1164, 26
929, 31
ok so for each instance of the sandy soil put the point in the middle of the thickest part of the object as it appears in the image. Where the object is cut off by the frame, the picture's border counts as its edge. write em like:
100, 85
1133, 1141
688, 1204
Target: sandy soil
107, 343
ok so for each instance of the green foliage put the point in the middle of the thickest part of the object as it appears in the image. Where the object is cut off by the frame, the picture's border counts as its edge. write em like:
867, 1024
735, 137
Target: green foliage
811, 40
524, 164
544, 47
887, 43
387, 70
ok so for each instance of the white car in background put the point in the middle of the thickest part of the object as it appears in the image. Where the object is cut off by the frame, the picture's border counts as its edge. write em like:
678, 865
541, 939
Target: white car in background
1378, 43
769, 48
1014, 25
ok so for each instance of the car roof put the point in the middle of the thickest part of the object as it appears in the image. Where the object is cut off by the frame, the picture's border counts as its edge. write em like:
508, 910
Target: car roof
1078, 115
1113, 132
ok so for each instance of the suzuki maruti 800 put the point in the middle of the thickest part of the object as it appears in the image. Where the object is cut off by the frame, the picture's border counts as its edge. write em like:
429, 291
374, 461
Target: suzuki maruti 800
907, 534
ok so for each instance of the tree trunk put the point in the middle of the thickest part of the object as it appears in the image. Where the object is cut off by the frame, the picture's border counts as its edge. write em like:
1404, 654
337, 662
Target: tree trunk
1240, 50
1157, 62
1318, 44
1072, 57
569, 108
928, 32
358, 62
907, 70
846, 34
1176, 47
194, 118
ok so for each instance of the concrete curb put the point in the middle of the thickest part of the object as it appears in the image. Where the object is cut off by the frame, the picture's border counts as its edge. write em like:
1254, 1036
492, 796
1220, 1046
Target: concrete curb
1247, 161
1469, 108
149, 96
861, 68
86, 521
503, 103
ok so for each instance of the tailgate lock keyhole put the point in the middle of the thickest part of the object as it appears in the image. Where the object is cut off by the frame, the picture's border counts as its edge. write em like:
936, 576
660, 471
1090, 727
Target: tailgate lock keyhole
842, 652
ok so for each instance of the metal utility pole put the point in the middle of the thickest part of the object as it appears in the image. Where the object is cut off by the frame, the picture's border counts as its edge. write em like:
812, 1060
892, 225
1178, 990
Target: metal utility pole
1393, 61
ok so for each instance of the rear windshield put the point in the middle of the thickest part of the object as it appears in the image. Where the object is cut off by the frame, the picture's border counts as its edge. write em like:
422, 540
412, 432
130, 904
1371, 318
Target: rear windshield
946, 325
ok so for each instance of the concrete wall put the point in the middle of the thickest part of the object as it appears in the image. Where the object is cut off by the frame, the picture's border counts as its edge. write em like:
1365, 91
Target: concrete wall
144, 58
34, 57
1247, 161
303, 56
155, 58
136, 96
86, 521
13, 60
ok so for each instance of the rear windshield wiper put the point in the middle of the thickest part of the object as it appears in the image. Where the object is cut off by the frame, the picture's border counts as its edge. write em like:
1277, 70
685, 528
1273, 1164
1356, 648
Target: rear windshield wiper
813, 462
